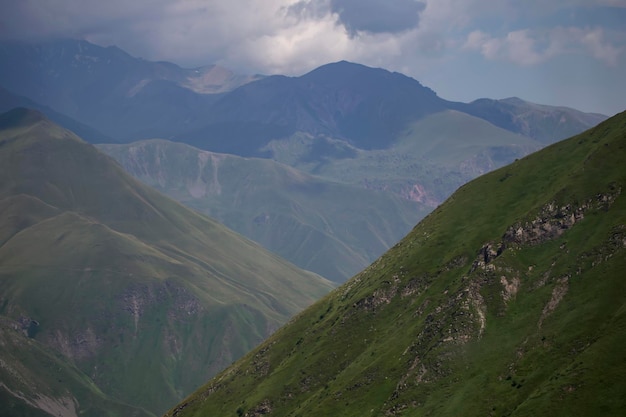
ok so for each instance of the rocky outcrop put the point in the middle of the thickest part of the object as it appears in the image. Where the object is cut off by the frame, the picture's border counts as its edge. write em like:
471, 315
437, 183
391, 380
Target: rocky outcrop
553, 220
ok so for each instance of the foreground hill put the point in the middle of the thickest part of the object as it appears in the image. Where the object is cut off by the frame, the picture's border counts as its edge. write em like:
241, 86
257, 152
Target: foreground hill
332, 229
508, 299
121, 288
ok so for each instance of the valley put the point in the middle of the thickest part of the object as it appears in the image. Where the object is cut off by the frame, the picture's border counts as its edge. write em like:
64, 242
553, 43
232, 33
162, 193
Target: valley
120, 287
343, 242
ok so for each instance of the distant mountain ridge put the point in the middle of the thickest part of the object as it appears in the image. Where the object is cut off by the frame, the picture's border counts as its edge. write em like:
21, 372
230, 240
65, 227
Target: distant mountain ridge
109, 89
331, 228
543, 123
9, 101
362, 127
110, 291
364, 106
338, 112
137, 99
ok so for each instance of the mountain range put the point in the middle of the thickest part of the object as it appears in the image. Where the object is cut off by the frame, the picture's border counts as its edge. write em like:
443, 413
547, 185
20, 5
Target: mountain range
67, 75
115, 300
215, 109
378, 136
331, 228
508, 299
110, 292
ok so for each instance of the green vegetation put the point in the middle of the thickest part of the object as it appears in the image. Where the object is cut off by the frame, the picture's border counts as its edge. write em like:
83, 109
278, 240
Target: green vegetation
507, 300
132, 297
332, 229
428, 160
39, 382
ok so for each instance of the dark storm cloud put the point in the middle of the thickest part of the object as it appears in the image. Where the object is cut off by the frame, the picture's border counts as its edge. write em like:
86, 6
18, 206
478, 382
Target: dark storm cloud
377, 16
371, 16
24, 19
447, 44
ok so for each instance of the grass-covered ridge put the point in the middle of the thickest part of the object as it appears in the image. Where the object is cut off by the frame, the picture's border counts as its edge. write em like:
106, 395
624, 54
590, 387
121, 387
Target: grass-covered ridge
508, 299
120, 283
323, 226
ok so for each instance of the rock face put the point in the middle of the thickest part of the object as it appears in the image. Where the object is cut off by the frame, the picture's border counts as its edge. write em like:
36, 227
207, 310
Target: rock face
552, 221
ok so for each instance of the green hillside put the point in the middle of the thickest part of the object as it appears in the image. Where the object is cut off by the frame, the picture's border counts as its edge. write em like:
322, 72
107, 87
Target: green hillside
507, 300
36, 381
429, 159
329, 228
125, 288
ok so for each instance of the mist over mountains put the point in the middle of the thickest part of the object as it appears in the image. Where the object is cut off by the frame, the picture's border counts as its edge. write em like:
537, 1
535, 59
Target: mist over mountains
121, 288
366, 128
128, 98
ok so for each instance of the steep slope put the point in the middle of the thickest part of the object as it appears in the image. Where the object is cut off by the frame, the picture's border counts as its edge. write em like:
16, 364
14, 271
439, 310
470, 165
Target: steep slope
122, 283
38, 382
332, 229
508, 299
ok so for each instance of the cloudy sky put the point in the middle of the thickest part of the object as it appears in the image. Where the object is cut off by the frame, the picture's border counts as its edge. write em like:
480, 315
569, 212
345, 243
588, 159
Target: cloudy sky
563, 52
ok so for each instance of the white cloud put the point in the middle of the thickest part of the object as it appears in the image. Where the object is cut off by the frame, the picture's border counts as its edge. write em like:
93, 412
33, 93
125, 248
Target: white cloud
599, 48
528, 47
294, 36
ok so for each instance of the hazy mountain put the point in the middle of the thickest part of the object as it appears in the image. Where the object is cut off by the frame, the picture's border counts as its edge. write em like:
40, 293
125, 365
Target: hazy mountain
546, 124
9, 101
132, 297
329, 228
106, 88
368, 108
347, 122
212, 108
508, 299
364, 106
430, 158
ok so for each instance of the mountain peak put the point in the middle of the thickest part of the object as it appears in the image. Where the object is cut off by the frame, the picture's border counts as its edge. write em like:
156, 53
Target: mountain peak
345, 69
514, 101
20, 116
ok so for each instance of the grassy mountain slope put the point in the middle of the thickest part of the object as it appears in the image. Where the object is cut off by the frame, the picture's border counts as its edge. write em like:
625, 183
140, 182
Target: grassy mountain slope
332, 229
429, 160
508, 299
122, 283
